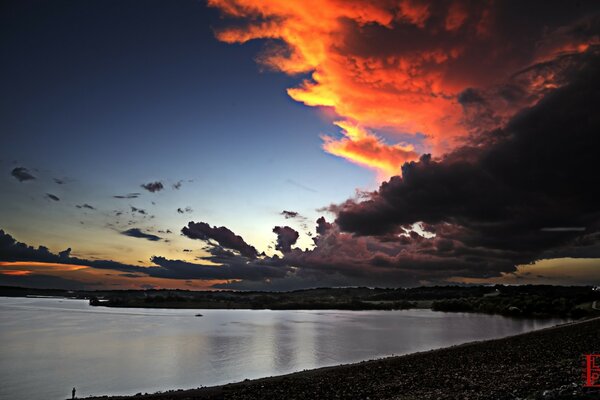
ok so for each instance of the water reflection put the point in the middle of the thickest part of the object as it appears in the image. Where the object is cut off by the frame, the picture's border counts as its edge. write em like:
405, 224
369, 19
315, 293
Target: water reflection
51, 345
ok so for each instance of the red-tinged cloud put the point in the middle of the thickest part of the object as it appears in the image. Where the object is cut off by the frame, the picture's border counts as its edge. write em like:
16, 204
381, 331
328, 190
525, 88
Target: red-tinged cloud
403, 64
365, 148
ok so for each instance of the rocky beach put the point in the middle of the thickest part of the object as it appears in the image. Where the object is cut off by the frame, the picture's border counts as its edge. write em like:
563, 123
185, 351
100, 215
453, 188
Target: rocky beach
544, 364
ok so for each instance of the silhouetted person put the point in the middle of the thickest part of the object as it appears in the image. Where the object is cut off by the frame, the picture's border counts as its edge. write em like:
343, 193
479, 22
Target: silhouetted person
73, 393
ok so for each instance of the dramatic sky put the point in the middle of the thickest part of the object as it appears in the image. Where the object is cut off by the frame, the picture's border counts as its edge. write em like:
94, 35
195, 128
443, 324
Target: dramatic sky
281, 144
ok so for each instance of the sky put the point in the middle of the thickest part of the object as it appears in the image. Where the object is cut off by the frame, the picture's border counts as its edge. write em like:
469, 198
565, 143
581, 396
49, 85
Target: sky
278, 145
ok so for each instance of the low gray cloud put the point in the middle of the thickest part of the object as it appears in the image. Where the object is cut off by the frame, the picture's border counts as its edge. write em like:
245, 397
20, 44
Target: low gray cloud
138, 210
153, 186
289, 214
52, 197
128, 196
137, 233
22, 174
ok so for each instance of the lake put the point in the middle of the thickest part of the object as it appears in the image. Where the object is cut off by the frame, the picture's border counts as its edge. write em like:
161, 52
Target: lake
50, 345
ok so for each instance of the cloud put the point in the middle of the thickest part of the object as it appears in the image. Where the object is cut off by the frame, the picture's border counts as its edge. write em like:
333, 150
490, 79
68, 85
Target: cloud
289, 214
221, 235
364, 148
186, 210
322, 226
22, 174
513, 196
137, 233
236, 267
59, 181
153, 186
177, 185
12, 250
138, 210
52, 197
127, 196
406, 66
286, 238
232, 266
85, 205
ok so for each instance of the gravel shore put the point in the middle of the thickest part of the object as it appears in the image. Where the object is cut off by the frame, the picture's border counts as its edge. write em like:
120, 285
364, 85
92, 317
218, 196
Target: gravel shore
545, 364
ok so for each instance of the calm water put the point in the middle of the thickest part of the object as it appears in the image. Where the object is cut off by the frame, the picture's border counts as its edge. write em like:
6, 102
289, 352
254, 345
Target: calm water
50, 345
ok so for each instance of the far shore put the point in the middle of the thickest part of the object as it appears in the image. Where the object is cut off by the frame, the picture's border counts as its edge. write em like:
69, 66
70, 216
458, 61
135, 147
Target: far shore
543, 364
530, 301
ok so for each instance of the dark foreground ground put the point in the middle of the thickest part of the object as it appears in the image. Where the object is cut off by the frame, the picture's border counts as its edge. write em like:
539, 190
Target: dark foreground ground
546, 364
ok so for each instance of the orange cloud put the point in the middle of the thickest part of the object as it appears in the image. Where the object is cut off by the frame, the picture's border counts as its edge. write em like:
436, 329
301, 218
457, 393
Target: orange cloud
35, 265
394, 64
366, 149
456, 16
15, 272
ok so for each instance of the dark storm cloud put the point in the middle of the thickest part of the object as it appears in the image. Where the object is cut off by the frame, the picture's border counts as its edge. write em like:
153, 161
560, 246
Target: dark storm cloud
153, 186
22, 174
137, 233
500, 201
221, 235
127, 196
286, 238
52, 197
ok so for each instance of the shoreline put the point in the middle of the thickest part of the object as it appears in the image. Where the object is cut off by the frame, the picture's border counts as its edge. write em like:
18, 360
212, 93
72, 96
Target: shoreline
515, 367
